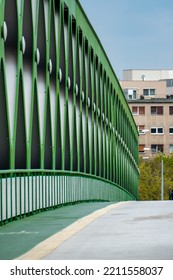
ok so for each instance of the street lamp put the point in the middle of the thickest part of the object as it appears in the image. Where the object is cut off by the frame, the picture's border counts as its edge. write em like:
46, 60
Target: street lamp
145, 157
162, 168
162, 171
162, 180
144, 130
146, 149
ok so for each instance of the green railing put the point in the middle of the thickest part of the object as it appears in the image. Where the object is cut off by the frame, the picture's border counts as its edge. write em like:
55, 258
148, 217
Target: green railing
62, 107
23, 193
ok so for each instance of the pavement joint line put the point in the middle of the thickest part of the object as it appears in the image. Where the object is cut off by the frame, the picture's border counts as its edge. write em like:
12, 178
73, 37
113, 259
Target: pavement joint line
47, 246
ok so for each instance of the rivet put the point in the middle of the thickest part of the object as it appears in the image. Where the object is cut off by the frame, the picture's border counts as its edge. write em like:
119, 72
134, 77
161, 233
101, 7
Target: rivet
82, 96
37, 56
22, 45
60, 74
68, 83
50, 66
76, 89
88, 102
4, 31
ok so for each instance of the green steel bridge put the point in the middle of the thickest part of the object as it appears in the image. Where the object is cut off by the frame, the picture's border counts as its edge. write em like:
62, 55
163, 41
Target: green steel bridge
66, 131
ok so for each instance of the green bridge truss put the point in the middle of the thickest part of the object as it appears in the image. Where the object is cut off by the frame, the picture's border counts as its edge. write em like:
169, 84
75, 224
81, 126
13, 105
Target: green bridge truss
66, 131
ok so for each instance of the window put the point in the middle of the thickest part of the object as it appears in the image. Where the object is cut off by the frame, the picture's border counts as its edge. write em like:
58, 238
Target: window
135, 110
169, 82
171, 130
156, 148
156, 110
171, 110
138, 110
157, 130
140, 128
141, 110
171, 148
141, 148
149, 92
130, 94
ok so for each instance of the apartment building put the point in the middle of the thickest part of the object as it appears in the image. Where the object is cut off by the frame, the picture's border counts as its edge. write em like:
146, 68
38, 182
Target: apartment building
150, 97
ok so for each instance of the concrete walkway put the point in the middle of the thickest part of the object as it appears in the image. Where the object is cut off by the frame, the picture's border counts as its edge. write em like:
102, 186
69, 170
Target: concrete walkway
136, 230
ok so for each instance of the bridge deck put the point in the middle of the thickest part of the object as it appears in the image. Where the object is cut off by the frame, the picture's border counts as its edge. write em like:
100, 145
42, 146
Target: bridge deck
19, 236
136, 230
133, 230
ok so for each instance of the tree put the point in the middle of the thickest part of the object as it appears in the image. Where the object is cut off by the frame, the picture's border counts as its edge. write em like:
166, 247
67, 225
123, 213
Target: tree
150, 177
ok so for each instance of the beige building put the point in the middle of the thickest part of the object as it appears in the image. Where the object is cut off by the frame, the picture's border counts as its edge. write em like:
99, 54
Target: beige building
151, 103
147, 75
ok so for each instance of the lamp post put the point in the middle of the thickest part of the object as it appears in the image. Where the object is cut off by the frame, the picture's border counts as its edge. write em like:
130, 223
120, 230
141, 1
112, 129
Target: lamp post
162, 180
162, 172
162, 175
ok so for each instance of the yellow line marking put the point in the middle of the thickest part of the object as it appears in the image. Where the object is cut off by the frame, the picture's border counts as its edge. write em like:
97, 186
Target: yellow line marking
47, 246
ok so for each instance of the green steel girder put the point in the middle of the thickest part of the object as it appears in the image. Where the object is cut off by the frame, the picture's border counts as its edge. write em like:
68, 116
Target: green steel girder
62, 107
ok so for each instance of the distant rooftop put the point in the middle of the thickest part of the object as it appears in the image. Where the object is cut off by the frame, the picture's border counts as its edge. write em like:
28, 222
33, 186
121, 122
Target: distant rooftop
147, 74
152, 100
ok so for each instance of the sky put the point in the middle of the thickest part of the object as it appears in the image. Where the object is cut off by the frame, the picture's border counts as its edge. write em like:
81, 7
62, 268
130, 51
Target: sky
136, 34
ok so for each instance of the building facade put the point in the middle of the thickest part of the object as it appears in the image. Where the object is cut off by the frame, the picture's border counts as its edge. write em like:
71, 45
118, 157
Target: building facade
150, 97
147, 74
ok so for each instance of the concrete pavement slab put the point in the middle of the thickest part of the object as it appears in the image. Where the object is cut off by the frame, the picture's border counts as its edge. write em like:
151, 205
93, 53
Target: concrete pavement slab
137, 230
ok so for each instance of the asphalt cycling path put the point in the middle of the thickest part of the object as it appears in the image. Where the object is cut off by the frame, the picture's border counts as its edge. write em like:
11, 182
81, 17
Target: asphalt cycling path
18, 237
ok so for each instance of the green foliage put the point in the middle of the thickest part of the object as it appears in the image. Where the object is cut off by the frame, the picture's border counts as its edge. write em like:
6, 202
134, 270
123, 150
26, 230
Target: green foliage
150, 177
